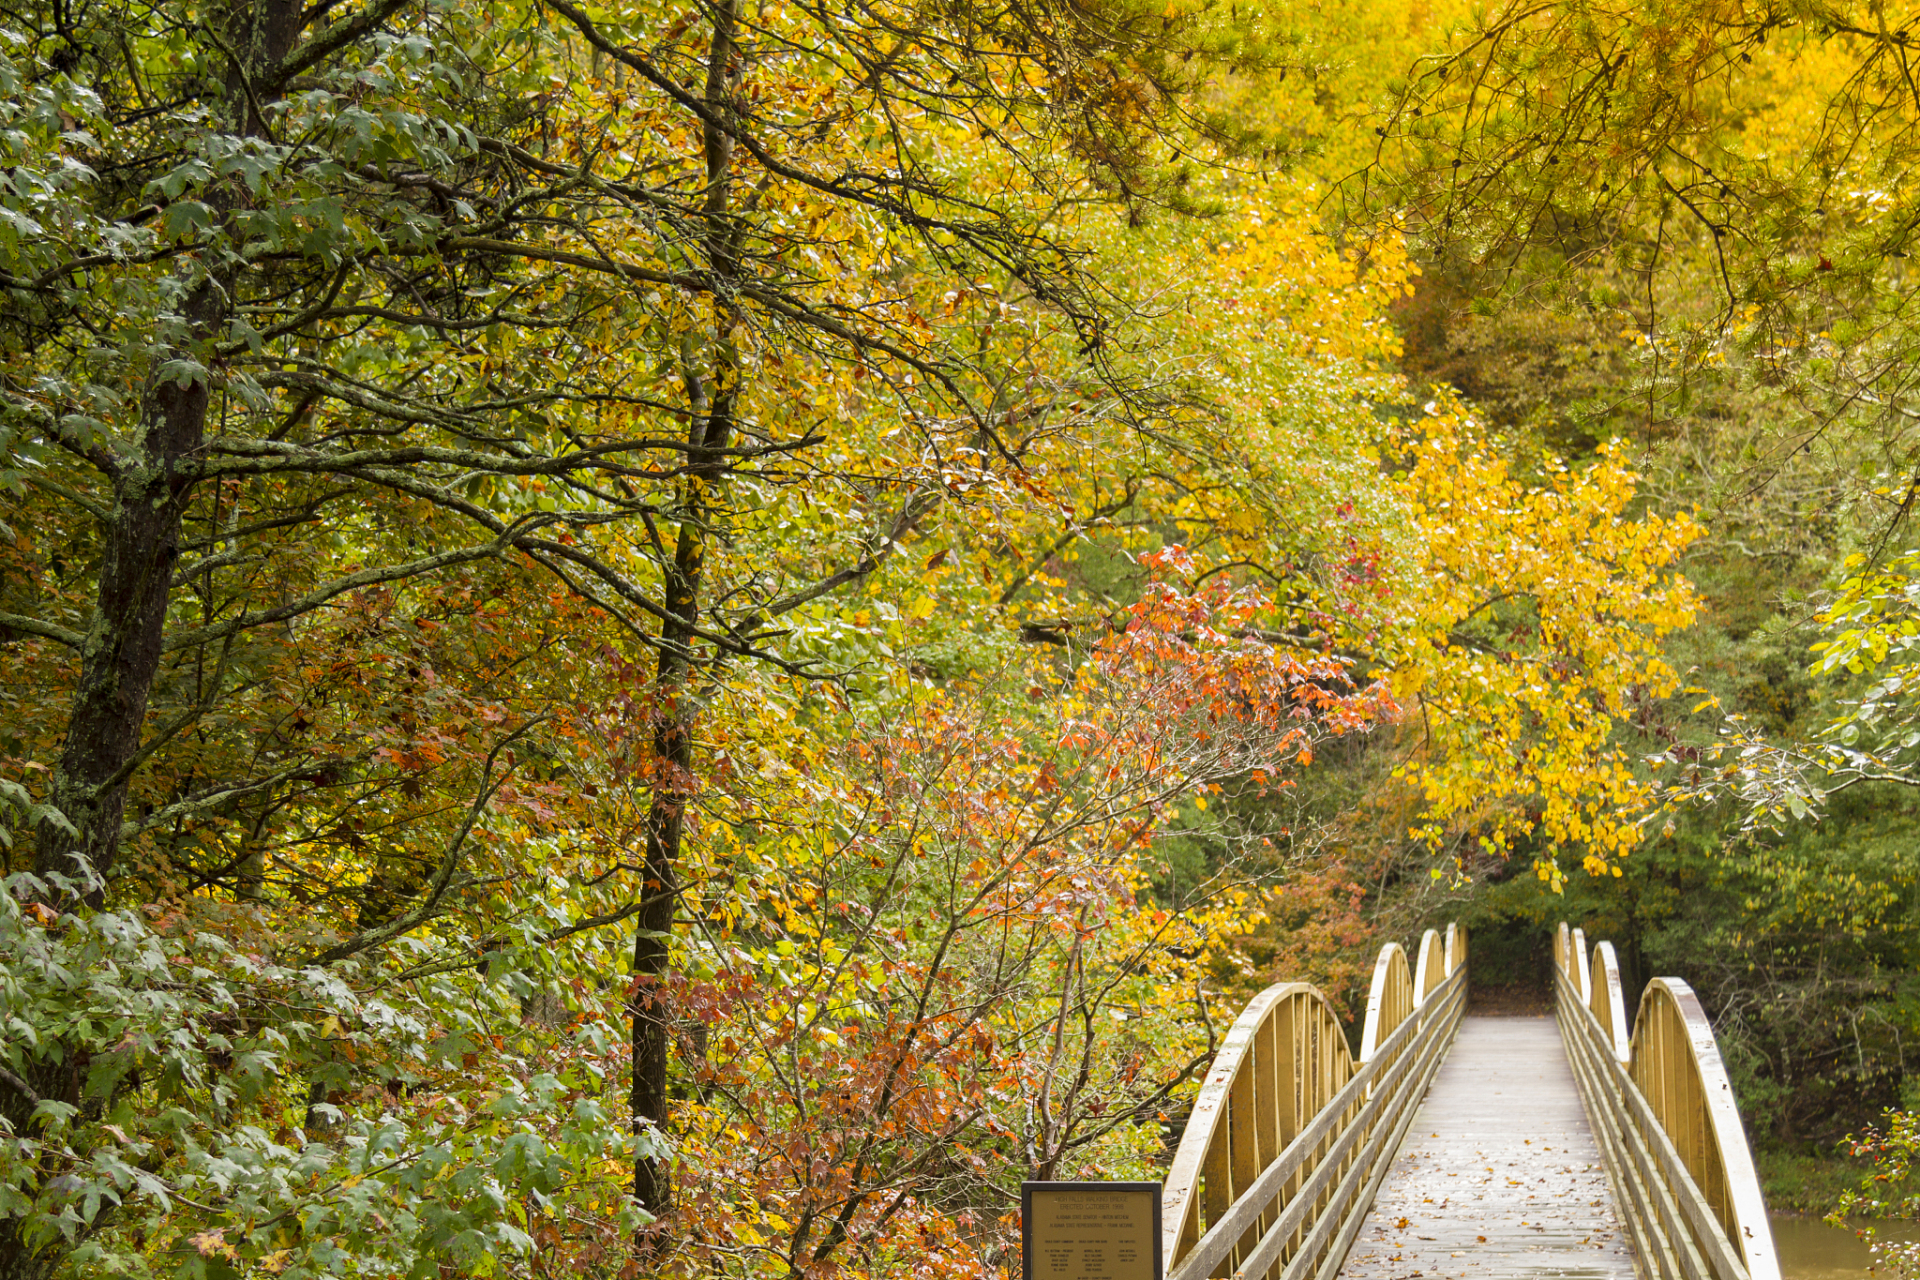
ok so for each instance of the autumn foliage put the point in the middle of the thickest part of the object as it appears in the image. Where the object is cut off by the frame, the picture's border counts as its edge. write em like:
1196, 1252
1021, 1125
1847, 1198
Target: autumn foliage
677, 643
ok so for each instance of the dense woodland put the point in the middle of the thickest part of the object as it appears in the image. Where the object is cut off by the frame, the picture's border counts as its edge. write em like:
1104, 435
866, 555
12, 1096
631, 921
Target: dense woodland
687, 638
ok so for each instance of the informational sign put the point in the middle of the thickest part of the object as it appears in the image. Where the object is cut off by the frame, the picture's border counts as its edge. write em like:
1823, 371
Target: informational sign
1090, 1230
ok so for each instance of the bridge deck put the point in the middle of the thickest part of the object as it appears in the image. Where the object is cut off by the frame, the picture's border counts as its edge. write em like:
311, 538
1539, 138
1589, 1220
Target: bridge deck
1499, 1175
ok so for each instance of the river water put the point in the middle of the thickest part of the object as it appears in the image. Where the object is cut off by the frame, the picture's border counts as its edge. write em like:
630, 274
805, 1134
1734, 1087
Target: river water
1811, 1250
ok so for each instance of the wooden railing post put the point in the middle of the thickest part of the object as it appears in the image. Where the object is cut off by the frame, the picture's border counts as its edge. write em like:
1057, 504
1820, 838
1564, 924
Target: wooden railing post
1577, 968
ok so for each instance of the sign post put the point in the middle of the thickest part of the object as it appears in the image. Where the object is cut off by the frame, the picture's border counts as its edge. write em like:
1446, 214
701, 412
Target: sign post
1090, 1230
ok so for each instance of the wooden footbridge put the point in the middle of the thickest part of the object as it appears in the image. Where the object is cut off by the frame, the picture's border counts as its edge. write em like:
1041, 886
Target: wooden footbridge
1457, 1146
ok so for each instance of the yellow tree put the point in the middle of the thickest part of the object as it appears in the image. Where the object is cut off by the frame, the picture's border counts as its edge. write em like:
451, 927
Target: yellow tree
1524, 634
1518, 615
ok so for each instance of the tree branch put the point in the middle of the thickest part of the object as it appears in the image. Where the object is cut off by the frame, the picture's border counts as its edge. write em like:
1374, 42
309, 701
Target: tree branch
328, 43
45, 630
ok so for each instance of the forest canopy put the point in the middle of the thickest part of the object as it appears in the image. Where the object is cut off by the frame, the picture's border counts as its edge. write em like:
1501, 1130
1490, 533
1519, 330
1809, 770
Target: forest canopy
669, 639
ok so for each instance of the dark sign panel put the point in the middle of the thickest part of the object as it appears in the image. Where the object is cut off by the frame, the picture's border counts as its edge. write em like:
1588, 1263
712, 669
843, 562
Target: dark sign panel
1090, 1230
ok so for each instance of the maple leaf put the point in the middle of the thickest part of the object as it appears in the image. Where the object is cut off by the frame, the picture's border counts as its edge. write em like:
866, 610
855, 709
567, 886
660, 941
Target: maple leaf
213, 1244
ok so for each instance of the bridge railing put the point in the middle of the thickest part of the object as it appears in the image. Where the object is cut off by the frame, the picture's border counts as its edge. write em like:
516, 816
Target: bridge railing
1664, 1115
1290, 1136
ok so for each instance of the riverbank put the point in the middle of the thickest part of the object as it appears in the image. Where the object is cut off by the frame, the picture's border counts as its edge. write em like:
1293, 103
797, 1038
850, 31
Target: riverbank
1806, 1185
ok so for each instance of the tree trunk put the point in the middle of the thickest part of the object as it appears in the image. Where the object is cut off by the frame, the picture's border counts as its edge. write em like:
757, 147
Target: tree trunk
673, 787
140, 539
711, 379
139, 544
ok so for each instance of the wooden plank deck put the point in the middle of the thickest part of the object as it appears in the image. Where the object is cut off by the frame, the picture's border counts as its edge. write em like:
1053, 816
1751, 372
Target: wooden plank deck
1499, 1175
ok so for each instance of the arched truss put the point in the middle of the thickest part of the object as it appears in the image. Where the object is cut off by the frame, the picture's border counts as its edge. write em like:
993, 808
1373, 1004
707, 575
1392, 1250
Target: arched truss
1664, 1112
1290, 1134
